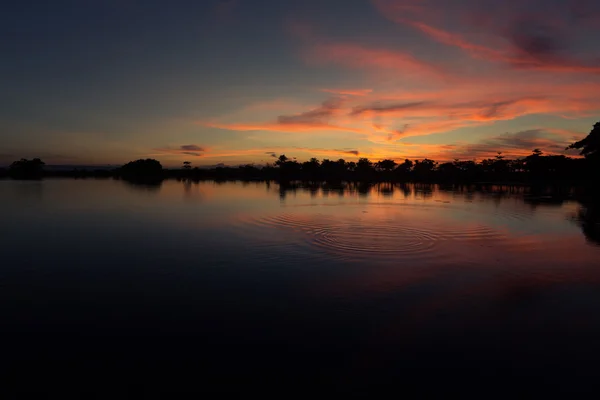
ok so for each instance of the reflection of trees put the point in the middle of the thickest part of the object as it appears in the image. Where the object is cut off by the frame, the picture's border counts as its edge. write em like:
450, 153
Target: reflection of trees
425, 190
406, 189
147, 185
386, 189
363, 188
313, 188
588, 218
29, 191
285, 187
191, 190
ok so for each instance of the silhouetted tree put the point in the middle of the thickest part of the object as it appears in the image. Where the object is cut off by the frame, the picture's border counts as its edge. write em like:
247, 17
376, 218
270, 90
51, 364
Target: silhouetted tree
364, 164
341, 168
364, 169
287, 169
281, 160
536, 167
386, 165
423, 170
590, 145
311, 168
147, 166
404, 170
146, 171
27, 169
448, 171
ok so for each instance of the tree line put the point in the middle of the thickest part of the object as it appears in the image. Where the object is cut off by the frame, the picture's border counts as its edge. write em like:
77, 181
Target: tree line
532, 168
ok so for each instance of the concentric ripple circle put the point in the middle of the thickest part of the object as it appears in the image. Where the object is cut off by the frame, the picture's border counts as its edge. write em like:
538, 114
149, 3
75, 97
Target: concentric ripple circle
359, 236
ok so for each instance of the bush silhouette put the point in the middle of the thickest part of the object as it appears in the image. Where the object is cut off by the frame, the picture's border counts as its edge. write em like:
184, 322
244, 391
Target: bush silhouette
27, 169
142, 170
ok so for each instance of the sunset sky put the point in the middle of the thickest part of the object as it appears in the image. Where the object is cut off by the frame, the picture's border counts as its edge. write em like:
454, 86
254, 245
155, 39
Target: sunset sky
241, 81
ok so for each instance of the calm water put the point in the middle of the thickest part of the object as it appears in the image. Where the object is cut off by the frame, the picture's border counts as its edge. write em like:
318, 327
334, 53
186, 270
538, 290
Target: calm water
238, 286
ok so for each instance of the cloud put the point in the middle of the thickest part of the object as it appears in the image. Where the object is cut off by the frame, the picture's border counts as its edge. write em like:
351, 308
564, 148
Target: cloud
352, 152
393, 121
379, 108
512, 145
349, 92
316, 119
191, 147
273, 152
317, 51
284, 127
331, 152
356, 56
317, 116
185, 149
533, 39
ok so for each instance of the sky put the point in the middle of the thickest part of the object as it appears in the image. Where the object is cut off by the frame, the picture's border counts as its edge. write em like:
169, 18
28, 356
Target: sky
232, 82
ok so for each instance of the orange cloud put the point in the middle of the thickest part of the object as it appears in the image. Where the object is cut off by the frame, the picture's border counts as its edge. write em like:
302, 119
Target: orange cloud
403, 120
512, 145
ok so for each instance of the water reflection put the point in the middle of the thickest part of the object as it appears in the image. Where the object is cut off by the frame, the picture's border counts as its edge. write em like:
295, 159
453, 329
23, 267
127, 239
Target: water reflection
356, 281
147, 185
533, 195
29, 191
514, 198
588, 217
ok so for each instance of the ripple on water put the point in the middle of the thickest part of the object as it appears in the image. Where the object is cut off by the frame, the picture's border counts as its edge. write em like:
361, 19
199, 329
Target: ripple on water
356, 238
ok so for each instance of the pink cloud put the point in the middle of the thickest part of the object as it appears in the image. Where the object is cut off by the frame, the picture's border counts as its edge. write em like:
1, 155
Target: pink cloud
530, 43
356, 56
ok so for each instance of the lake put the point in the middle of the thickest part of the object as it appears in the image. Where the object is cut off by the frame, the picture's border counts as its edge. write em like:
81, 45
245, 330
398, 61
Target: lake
235, 287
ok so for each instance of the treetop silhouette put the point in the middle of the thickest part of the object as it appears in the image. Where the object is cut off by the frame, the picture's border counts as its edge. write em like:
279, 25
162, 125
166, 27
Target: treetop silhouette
590, 145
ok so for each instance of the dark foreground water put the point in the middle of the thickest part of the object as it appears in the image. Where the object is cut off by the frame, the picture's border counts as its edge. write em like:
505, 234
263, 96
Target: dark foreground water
107, 287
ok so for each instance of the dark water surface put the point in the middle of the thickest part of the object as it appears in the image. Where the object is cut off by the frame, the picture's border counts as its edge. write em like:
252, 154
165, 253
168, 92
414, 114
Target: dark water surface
241, 287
